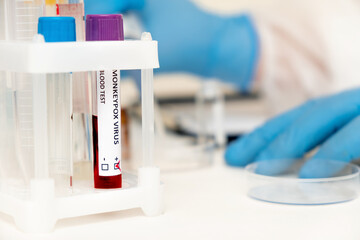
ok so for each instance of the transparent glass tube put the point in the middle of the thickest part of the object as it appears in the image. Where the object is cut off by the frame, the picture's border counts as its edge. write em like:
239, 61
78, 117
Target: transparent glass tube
50, 8
24, 118
74, 9
2, 20
59, 111
23, 17
8, 169
82, 145
82, 126
210, 113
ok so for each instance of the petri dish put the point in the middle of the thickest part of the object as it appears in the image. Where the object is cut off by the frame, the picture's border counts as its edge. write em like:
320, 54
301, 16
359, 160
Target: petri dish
287, 188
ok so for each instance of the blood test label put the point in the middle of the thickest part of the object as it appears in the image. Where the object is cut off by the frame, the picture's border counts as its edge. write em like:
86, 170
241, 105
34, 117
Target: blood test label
109, 123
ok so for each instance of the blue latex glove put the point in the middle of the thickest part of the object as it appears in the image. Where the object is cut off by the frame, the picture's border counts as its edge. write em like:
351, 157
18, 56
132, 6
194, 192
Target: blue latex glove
333, 123
111, 6
194, 41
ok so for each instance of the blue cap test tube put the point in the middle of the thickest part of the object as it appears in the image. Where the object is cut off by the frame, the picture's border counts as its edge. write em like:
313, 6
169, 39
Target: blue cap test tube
59, 105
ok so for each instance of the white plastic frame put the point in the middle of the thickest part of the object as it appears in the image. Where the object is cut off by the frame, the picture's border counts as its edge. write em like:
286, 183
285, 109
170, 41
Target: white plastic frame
77, 56
40, 213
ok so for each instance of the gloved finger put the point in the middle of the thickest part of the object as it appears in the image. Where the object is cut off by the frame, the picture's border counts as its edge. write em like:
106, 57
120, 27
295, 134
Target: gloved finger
111, 6
244, 150
343, 147
312, 128
271, 168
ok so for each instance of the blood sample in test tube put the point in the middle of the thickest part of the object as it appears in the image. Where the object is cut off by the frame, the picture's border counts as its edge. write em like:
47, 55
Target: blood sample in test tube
106, 106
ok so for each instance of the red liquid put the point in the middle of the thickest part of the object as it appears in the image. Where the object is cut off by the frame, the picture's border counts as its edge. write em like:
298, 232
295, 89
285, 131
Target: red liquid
100, 181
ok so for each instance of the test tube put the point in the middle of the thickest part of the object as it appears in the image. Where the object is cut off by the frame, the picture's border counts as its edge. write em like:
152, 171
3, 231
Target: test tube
82, 153
50, 8
8, 169
210, 113
2, 20
106, 106
74, 9
20, 18
59, 104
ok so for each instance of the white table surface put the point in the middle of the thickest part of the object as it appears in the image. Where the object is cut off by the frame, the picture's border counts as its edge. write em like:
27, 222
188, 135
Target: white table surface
209, 203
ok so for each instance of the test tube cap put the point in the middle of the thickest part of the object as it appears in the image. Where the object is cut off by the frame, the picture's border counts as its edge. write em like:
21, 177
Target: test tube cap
104, 27
57, 29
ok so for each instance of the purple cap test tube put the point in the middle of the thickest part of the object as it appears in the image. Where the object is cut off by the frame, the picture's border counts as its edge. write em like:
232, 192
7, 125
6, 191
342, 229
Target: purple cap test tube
106, 103
104, 27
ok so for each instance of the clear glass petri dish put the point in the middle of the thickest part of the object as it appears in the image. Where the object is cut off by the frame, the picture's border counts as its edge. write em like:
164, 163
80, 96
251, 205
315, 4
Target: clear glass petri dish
287, 188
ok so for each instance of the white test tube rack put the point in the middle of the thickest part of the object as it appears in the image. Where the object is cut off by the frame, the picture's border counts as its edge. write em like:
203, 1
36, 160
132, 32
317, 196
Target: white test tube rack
40, 212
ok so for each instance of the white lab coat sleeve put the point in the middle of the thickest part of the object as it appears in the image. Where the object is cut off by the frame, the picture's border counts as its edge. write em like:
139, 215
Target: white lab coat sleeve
308, 49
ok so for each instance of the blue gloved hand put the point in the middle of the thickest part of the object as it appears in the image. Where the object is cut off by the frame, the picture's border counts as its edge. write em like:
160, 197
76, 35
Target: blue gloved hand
195, 41
111, 6
332, 122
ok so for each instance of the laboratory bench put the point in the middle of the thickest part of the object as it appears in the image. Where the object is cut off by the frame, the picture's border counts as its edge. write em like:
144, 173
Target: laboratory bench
208, 203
